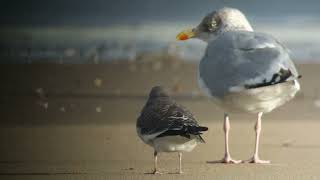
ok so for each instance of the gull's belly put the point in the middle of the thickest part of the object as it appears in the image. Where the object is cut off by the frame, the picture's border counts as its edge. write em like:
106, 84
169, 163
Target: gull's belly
174, 144
263, 99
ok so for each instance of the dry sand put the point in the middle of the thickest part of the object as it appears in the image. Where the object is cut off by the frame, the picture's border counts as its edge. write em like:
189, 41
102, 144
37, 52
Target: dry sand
87, 129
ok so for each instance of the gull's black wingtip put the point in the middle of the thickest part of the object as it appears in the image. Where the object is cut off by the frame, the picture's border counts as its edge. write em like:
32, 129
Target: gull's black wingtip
202, 128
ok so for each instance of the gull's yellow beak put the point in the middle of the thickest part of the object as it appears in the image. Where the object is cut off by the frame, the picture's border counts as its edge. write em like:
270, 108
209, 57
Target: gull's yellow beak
186, 34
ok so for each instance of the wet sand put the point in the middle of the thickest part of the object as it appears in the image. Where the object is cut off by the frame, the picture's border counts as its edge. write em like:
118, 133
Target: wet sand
87, 131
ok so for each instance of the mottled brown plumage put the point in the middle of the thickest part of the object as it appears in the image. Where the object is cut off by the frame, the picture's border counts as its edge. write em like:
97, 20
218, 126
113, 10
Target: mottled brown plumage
163, 115
168, 126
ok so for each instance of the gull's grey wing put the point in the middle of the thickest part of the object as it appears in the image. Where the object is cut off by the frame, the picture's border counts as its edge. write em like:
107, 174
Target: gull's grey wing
241, 60
163, 117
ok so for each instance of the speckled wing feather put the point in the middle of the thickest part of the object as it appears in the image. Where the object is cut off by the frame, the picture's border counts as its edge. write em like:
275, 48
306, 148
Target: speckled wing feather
162, 116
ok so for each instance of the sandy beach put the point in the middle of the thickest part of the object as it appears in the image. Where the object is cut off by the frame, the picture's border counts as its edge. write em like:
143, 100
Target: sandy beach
78, 122
115, 152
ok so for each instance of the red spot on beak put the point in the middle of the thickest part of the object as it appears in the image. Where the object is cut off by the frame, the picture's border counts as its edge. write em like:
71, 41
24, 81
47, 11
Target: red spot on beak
183, 37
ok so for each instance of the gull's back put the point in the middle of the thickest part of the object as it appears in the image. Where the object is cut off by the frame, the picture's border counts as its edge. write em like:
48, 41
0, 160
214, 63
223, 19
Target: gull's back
241, 60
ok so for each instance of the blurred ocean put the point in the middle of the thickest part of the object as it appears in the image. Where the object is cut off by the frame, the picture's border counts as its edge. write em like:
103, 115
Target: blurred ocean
119, 36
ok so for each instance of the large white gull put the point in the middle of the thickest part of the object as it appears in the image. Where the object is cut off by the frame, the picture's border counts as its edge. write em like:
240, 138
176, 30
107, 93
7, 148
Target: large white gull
242, 70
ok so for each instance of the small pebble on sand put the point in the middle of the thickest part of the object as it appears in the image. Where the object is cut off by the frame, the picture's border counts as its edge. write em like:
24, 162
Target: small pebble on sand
98, 109
98, 82
62, 109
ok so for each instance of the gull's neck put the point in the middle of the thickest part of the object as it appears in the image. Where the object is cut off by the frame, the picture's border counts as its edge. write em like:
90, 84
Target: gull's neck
237, 27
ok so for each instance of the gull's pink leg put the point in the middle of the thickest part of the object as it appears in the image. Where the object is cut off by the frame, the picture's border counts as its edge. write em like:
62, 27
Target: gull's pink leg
227, 157
255, 158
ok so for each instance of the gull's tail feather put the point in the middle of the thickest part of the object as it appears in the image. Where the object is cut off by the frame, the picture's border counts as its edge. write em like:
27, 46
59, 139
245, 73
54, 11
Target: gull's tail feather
185, 131
202, 128
199, 131
195, 130
201, 139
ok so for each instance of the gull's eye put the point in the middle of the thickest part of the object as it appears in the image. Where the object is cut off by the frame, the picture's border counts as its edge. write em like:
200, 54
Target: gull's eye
210, 23
212, 26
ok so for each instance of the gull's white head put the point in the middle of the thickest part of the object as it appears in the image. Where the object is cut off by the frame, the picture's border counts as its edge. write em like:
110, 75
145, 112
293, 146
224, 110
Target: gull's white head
216, 23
